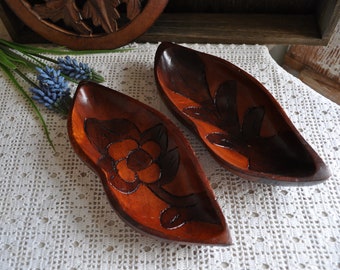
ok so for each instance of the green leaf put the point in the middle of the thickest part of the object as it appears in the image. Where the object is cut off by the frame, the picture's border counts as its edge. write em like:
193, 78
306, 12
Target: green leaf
6, 61
14, 57
31, 102
96, 77
58, 51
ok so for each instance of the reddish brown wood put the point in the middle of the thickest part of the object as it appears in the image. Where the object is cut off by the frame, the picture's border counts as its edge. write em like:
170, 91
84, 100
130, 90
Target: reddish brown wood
237, 119
88, 24
149, 172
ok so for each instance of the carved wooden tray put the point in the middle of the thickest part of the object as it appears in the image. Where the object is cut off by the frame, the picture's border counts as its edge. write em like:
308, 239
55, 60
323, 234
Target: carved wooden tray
148, 170
236, 118
88, 24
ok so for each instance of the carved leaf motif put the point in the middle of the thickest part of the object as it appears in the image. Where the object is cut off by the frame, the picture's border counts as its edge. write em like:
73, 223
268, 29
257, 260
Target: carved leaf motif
133, 8
149, 173
65, 10
102, 13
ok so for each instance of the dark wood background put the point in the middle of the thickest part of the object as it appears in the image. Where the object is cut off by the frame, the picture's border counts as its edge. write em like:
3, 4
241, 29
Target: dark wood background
244, 6
226, 21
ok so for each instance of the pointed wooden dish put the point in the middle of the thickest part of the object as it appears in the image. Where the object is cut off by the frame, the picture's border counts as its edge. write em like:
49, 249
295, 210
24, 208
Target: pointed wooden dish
236, 118
148, 170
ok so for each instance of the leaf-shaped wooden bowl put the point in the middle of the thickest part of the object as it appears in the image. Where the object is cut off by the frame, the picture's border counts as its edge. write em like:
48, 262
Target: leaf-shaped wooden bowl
149, 172
236, 117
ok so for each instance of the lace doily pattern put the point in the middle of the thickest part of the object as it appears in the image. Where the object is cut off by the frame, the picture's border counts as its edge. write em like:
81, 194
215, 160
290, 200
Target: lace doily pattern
54, 213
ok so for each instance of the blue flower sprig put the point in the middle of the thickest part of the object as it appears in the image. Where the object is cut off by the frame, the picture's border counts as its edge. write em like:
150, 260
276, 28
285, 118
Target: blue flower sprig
53, 90
77, 70
51, 87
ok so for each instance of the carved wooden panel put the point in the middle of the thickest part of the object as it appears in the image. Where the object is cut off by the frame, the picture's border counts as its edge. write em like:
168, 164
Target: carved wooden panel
88, 24
215, 21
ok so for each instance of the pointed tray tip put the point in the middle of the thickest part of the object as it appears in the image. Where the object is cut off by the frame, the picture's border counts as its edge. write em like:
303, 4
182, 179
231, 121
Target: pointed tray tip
148, 170
236, 118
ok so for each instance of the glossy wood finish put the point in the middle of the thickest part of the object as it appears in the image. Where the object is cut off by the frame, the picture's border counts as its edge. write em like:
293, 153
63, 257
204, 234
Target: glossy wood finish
147, 168
88, 24
236, 118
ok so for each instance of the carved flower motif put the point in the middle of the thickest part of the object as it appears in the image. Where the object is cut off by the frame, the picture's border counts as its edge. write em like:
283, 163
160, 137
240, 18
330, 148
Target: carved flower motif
130, 157
135, 161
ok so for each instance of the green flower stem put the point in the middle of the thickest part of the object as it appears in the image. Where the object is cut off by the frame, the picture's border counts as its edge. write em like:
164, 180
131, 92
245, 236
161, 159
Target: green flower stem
39, 63
45, 58
97, 77
6, 61
34, 57
31, 102
58, 51
34, 53
14, 55
64, 105
18, 58
22, 75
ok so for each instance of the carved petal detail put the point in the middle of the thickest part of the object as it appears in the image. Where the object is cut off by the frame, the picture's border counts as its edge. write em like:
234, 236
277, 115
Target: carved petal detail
102, 14
133, 8
150, 174
57, 10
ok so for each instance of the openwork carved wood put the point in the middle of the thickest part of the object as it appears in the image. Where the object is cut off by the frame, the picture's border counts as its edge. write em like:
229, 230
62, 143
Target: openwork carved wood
88, 24
89, 16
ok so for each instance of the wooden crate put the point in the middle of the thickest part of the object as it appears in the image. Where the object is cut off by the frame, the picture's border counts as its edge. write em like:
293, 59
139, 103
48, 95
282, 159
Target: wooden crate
317, 66
227, 21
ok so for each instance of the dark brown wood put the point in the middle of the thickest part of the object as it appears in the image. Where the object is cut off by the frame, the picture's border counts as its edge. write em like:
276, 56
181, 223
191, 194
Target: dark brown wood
328, 16
236, 118
243, 6
88, 24
228, 21
317, 66
235, 28
18, 31
148, 169
323, 85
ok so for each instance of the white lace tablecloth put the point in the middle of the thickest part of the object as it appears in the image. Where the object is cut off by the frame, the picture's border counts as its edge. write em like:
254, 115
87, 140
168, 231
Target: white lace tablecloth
54, 213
